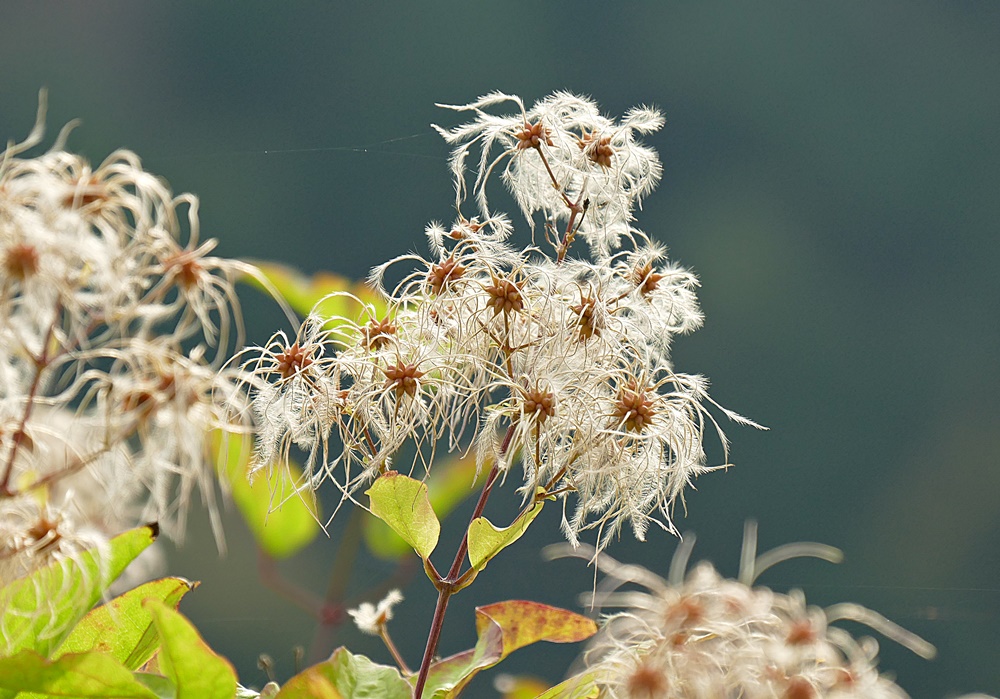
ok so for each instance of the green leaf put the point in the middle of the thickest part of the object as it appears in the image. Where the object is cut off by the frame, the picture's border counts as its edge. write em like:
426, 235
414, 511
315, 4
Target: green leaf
582, 686
486, 540
451, 481
347, 676
281, 520
503, 628
323, 293
72, 675
37, 612
123, 628
196, 671
402, 503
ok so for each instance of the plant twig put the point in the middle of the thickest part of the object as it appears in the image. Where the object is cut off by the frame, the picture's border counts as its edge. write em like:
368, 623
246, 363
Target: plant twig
448, 585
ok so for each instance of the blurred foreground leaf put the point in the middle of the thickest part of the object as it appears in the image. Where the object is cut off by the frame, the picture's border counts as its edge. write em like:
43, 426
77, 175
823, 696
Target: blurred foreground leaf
81, 675
503, 628
194, 669
347, 676
123, 628
37, 612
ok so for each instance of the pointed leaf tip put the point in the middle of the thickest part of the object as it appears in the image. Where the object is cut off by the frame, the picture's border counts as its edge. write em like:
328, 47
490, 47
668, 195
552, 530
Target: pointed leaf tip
402, 503
487, 540
196, 671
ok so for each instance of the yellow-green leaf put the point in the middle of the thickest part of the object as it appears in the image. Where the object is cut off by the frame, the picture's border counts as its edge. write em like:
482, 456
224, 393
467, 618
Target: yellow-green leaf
187, 661
37, 612
323, 293
402, 503
123, 628
282, 519
347, 676
583, 686
486, 540
76, 675
521, 686
451, 481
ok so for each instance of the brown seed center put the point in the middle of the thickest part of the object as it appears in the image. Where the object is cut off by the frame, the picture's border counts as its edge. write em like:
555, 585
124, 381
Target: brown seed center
504, 296
598, 148
21, 261
532, 136
443, 275
403, 378
377, 334
293, 360
634, 409
587, 322
645, 279
539, 403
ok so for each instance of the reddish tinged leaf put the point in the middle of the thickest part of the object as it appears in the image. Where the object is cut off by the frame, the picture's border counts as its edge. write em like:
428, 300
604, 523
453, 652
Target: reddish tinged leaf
503, 628
524, 623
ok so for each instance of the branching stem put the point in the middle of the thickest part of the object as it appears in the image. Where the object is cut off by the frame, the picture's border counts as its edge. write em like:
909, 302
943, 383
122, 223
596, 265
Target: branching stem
41, 363
450, 584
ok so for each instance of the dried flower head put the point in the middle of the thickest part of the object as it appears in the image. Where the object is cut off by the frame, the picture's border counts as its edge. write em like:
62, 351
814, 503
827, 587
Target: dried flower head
699, 634
113, 318
559, 360
369, 617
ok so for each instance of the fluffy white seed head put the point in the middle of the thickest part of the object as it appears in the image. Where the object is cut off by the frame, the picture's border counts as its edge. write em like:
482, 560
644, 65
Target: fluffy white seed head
539, 355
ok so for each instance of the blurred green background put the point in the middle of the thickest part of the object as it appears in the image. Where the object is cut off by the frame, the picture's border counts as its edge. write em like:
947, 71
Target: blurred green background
832, 172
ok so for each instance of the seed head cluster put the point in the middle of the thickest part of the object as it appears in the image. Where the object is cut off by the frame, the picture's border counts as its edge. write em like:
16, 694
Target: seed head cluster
113, 317
699, 635
546, 355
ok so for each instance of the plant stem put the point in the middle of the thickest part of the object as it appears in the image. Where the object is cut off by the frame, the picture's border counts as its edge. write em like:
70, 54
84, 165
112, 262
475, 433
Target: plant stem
383, 633
447, 585
41, 363
437, 623
269, 574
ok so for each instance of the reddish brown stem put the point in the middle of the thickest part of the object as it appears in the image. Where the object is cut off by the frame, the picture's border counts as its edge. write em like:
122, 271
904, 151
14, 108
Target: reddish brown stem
40, 364
300, 597
448, 585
